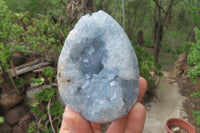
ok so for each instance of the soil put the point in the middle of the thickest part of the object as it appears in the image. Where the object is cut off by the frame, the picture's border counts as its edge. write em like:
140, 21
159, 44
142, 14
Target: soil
178, 130
190, 104
185, 88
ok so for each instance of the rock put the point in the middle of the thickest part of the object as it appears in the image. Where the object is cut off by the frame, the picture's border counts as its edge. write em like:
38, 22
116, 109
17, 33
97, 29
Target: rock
18, 129
98, 69
24, 121
5, 128
14, 115
32, 90
8, 101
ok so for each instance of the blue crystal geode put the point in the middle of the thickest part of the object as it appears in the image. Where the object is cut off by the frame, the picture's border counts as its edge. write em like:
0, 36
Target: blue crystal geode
98, 69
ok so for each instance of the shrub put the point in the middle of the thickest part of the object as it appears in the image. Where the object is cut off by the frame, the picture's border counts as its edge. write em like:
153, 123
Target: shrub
146, 65
43, 107
196, 115
194, 70
194, 56
39, 35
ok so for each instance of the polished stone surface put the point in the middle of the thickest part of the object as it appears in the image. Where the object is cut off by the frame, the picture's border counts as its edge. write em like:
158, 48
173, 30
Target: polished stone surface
98, 69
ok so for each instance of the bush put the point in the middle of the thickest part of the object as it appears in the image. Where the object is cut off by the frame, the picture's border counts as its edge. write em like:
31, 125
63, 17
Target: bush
194, 70
39, 35
194, 56
146, 65
43, 107
196, 115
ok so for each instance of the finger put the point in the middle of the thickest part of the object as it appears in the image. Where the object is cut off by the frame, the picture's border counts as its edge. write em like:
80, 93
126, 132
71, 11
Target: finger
136, 119
117, 126
96, 127
143, 87
73, 122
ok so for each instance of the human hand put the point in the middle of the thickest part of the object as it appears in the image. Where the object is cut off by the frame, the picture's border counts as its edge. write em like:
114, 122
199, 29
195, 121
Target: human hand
132, 123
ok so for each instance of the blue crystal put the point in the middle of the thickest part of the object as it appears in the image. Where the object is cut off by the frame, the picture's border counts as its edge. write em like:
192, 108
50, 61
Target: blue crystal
98, 69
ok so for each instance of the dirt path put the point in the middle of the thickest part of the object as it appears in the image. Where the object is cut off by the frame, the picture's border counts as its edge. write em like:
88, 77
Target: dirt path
167, 104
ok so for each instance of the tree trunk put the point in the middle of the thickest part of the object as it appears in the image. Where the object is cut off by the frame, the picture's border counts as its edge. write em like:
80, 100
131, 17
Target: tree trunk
159, 22
76, 9
158, 33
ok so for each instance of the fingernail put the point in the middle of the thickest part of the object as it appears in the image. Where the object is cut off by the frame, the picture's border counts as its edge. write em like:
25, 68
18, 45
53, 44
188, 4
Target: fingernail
70, 122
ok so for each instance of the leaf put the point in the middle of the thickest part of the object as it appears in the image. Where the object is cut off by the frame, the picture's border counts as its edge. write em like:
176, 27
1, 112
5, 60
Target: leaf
46, 94
195, 94
1, 120
37, 81
56, 108
49, 72
32, 127
20, 82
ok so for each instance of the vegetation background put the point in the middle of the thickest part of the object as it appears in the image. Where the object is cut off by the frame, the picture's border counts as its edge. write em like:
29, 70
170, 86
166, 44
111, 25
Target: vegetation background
39, 27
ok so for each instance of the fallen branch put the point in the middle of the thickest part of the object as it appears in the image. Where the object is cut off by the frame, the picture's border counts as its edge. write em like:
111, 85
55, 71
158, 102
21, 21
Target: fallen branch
38, 124
28, 68
50, 116
28, 64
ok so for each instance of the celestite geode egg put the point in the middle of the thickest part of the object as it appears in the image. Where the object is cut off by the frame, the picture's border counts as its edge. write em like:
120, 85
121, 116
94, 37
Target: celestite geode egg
98, 69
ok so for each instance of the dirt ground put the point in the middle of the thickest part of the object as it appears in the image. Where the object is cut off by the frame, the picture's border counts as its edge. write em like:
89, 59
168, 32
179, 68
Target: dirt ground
190, 104
171, 95
167, 104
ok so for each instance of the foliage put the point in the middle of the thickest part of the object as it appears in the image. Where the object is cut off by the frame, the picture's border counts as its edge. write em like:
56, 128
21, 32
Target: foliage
39, 35
44, 38
45, 106
34, 7
32, 127
10, 36
37, 81
45, 95
1, 120
39, 107
20, 82
49, 72
146, 65
194, 56
196, 115
20, 48
5, 61
195, 94
5, 57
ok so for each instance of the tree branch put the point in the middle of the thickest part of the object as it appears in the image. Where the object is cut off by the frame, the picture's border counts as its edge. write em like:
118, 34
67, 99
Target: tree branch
156, 2
168, 10
63, 2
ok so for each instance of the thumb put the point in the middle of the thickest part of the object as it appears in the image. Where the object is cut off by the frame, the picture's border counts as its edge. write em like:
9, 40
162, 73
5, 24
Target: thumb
74, 123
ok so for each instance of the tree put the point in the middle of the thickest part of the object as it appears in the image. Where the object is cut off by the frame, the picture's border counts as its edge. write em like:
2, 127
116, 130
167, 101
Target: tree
160, 17
76, 9
192, 9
